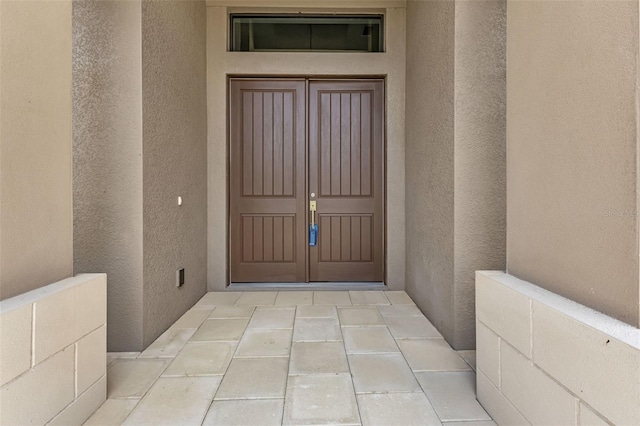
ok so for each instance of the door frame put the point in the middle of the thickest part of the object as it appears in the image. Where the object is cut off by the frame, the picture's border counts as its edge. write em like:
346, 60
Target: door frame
307, 79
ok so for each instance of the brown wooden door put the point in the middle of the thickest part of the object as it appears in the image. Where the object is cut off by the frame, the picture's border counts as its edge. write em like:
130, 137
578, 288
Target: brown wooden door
268, 181
276, 167
346, 174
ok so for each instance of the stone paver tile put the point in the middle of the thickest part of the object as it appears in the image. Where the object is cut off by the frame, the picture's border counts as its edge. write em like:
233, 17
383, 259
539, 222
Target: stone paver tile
175, 401
359, 317
362, 340
292, 298
245, 412
258, 342
253, 378
131, 378
217, 298
382, 373
193, 318
368, 298
222, 312
400, 311
251, 388
257, 298
168, 344
320, 399
331, 298
316, 329
112, 356
317, 311
221, 330
406, 409
432, 355
112, 412
202, 359
412, 328
318, 358
272, 318
453, 395
399, 298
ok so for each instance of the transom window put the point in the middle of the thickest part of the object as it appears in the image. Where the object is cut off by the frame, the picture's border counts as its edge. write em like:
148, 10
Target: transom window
304, 33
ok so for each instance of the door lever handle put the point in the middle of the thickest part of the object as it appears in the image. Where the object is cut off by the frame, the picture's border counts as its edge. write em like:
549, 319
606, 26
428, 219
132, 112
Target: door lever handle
313, 228
312, 209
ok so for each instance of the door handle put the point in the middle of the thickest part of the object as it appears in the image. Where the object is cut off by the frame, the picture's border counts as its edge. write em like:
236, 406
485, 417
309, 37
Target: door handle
312, 209
313, 228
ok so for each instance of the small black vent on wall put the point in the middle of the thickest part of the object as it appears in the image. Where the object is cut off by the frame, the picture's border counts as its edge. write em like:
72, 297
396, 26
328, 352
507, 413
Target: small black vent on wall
180, 277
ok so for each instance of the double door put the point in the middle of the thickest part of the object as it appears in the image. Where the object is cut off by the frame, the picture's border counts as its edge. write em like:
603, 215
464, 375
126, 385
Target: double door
304, 152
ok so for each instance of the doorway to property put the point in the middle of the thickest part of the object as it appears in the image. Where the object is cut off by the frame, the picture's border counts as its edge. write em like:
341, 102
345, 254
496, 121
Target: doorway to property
307, 199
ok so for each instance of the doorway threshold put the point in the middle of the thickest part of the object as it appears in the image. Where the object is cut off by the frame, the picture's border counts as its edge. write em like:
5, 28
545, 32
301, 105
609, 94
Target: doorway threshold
317, 286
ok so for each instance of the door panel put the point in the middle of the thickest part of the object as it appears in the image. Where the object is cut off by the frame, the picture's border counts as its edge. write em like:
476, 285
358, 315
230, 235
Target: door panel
272, 175
268, 180
346, 172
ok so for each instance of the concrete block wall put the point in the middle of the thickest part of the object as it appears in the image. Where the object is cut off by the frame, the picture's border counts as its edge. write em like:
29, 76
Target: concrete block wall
53, 352
543, 359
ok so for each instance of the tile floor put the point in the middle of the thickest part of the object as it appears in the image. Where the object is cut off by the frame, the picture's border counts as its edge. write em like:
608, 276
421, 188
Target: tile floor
295, 358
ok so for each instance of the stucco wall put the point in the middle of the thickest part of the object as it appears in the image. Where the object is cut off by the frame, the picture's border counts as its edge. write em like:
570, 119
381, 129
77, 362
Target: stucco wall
36, 237
140, 143
455, 157
430, 160
107, 158
572, 151
175, 159
221, 63
480, 157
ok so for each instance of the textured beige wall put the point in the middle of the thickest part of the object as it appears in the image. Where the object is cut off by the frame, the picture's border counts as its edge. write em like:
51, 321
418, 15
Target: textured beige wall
221, 63
140, 142
455, 157
107, 158
430, 159
175, 159
36, 237
572, 150
480, 157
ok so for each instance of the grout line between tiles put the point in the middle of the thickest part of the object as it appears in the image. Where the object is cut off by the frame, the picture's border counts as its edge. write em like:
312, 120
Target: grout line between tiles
33, 335
144, 394
75, 370
226, 370
286, 383
389, 392
249, 398
353, 384
410, 369
364, 326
